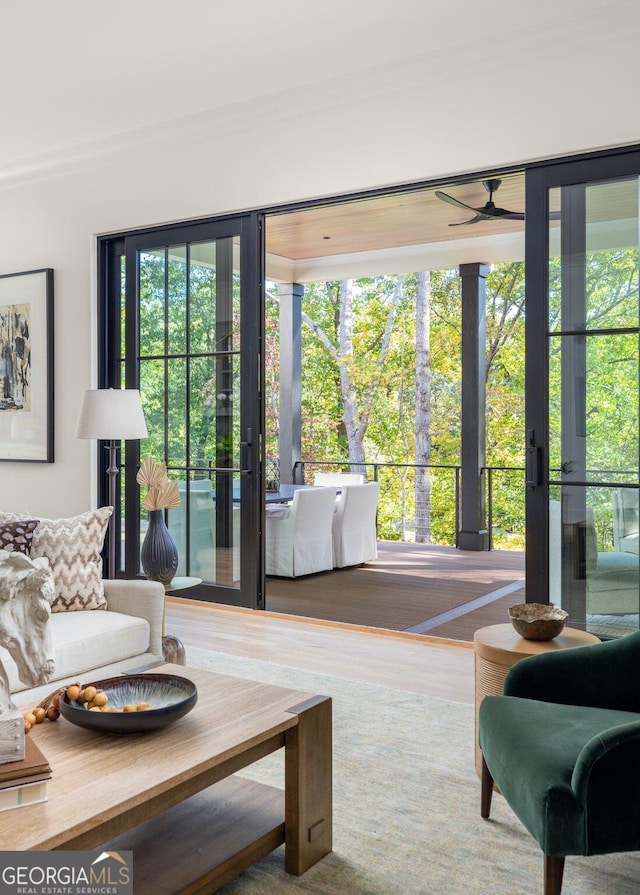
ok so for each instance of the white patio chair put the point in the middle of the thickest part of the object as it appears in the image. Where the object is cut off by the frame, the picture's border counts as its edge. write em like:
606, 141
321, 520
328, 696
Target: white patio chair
354, 525
338, 478
202, 532
298, 539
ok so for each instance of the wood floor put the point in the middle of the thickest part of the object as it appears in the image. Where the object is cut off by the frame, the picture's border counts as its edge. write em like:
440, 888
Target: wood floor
405, 620
415, 662
409, 587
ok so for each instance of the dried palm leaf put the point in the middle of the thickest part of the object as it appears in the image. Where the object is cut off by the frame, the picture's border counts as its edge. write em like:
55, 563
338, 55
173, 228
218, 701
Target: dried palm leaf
151, 473
169, 495
151, 499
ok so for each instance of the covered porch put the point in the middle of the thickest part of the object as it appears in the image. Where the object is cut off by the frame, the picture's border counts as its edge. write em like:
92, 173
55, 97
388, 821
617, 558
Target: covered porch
415, 588
399, 231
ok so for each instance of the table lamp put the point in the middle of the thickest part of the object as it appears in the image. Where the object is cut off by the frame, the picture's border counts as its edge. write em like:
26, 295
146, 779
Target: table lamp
111, 415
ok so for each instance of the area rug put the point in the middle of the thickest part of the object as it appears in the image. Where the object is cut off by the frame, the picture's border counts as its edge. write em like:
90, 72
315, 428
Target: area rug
407, 803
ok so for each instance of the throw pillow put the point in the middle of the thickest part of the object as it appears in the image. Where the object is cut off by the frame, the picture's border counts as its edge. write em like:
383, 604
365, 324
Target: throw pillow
17, 536
73, 547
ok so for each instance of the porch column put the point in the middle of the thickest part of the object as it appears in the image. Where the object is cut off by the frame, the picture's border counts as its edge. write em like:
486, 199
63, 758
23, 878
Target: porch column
290, 423
473, 535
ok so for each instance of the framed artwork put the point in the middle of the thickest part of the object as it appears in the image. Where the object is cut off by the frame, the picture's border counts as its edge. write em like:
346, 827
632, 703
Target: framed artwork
26, 366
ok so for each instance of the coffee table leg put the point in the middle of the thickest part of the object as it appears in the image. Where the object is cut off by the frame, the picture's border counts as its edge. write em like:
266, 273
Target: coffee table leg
308, 786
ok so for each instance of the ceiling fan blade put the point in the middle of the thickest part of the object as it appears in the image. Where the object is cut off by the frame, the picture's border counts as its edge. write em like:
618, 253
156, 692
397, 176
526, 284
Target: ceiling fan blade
447, 198
489, 211
478, 217
504, 213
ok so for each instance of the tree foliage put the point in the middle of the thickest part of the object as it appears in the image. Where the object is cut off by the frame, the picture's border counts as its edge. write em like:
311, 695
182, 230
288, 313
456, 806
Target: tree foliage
361, 403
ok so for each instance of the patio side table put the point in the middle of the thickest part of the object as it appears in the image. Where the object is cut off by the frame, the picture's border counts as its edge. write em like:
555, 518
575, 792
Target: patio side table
498, 647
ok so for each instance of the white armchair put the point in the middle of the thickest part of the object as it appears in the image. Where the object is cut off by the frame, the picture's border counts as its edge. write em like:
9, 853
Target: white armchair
625, 520
298, 539
354, 525
612, 576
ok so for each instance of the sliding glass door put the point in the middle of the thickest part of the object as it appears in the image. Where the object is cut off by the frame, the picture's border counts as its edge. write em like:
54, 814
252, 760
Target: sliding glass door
189, 338
583, 390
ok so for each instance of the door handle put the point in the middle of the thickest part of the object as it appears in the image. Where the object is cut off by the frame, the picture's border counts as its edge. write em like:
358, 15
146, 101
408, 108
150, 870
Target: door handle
245, 458
245, 453
533, 465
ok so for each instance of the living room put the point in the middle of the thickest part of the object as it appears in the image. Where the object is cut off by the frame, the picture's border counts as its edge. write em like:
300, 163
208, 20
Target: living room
134, 118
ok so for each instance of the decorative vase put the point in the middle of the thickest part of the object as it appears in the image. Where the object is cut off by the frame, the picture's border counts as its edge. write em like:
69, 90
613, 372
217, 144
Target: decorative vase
159, 554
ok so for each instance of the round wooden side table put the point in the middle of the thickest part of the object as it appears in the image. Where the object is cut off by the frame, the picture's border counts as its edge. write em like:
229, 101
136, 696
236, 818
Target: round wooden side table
498, 647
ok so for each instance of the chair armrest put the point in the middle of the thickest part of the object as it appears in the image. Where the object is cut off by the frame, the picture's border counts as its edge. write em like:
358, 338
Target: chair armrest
606, 786
140, 598
617, 748
598, 675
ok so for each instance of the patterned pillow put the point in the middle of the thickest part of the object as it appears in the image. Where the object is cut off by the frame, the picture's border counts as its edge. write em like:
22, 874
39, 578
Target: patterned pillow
17, 535
72, 547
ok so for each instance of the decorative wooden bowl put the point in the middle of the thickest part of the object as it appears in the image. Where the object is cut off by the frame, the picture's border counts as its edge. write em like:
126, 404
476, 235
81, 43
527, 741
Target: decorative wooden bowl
170, 696
537, 621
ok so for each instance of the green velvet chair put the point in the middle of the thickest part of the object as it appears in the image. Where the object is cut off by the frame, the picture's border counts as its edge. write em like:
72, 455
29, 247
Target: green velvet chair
563, 747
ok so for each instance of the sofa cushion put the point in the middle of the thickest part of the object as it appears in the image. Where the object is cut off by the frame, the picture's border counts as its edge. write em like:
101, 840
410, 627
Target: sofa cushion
17, 536
86, 640
614, 571
73, 546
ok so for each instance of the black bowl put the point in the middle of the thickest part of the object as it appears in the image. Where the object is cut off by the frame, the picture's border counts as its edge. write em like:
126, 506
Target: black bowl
171, 697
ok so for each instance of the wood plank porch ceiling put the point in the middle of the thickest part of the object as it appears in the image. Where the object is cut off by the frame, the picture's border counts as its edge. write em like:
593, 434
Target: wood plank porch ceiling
413, 230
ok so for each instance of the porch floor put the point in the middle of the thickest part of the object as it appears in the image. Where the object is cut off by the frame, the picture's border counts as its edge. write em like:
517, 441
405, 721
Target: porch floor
418, 588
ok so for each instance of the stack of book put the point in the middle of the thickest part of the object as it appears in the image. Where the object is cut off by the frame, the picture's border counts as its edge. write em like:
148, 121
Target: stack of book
24, 782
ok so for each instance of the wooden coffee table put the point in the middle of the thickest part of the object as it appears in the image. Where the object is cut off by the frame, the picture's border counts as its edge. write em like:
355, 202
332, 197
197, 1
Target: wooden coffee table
154, 793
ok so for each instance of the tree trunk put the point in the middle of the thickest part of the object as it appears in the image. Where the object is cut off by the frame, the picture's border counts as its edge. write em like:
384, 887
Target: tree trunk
423, 410
355, 432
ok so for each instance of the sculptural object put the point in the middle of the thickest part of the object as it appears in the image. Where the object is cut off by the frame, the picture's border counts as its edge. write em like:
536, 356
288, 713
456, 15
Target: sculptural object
26, 593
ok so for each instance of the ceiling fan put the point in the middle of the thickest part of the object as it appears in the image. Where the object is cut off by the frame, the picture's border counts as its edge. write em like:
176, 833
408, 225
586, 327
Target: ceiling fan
488, 212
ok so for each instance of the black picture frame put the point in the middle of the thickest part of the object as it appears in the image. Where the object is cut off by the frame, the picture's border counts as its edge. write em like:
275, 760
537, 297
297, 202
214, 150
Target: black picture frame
26, 367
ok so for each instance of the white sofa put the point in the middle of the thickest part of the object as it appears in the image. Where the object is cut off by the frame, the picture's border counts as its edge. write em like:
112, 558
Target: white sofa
97, 643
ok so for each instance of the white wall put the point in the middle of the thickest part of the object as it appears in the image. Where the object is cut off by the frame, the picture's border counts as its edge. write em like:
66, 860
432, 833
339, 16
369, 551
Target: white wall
405, 123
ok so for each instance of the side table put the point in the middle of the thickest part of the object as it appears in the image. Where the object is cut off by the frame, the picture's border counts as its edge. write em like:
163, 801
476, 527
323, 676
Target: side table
172, 647
498, 647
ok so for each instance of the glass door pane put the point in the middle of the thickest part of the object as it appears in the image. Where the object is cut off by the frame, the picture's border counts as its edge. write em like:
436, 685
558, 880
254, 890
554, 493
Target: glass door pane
192, 351
593, 400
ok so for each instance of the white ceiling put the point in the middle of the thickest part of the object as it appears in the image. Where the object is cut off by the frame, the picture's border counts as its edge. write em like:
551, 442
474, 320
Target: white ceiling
78, 72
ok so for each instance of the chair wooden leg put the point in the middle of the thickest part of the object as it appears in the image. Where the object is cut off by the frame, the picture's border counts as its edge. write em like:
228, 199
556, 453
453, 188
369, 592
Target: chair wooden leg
553, 870
487, 790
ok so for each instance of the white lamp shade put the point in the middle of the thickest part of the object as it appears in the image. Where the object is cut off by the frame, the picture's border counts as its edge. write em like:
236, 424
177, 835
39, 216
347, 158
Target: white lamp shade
111, 414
